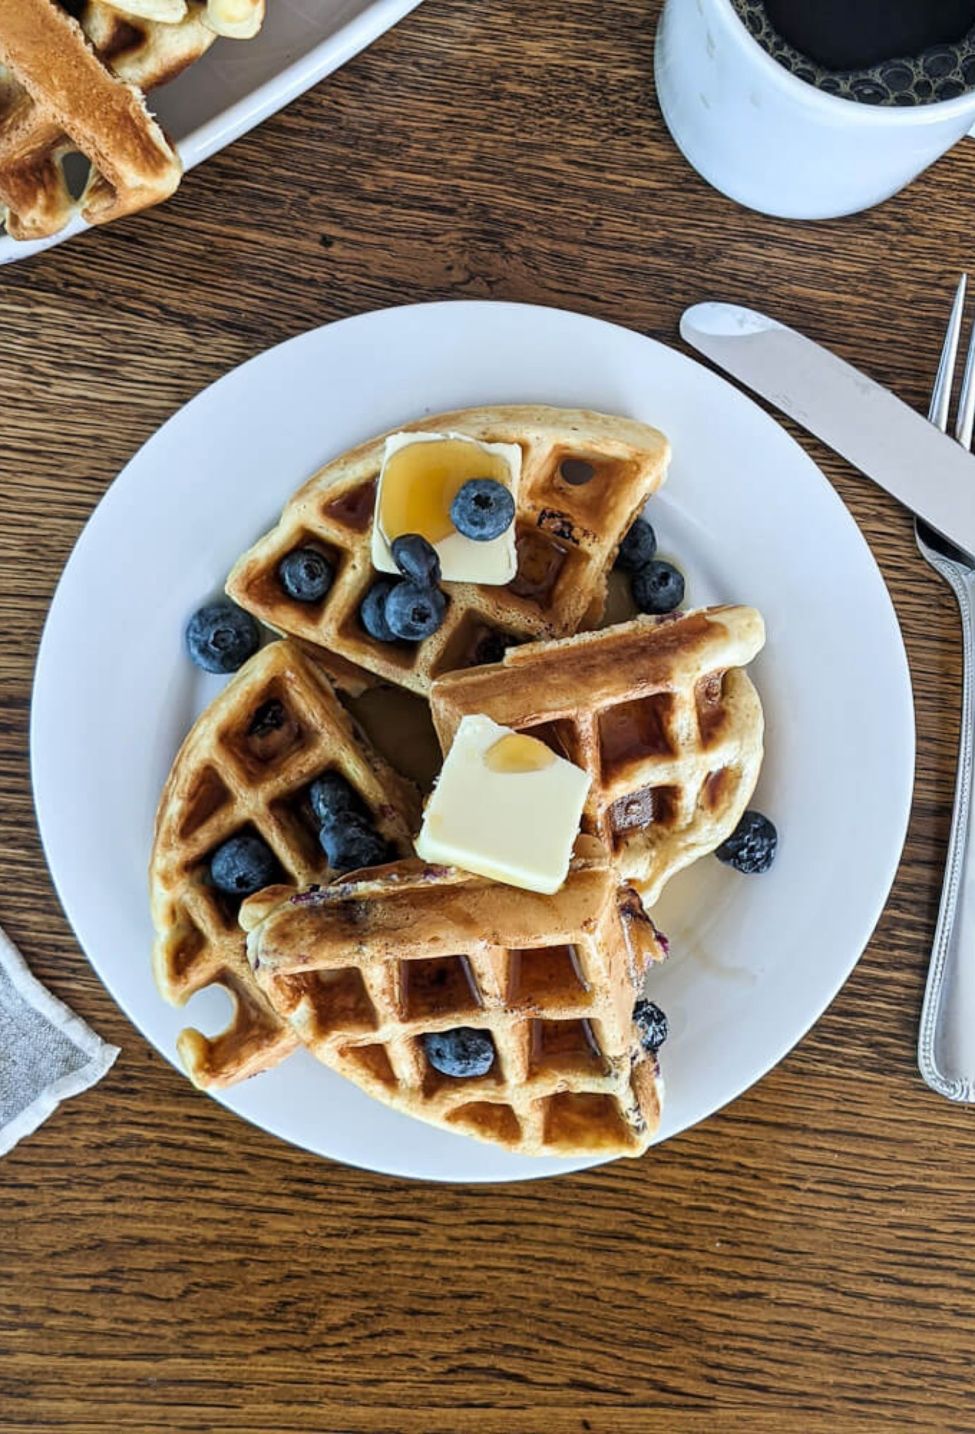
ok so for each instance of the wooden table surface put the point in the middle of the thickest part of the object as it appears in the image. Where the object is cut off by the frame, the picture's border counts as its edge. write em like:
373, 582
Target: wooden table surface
802, 1261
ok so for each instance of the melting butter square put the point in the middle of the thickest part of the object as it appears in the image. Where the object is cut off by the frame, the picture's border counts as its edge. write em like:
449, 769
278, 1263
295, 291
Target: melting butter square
505, 807
428, 469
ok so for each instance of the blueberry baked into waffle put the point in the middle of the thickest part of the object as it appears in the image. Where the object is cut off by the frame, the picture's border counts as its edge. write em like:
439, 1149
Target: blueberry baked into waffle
73, 81
482, 964
498, 1012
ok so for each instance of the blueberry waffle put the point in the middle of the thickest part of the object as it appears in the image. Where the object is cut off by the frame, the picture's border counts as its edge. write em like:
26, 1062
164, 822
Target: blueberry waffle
246, 803
658, 711
484, 1009
584, 477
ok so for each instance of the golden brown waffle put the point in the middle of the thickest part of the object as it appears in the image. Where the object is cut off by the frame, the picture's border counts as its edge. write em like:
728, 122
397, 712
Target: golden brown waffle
246, 765
658, 711
567, 535
363, 969
69, 87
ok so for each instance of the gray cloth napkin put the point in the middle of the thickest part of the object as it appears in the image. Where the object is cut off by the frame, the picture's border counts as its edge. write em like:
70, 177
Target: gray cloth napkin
47, 1053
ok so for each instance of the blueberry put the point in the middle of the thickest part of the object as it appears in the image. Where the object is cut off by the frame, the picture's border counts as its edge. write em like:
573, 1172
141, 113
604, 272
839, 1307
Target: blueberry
305, 574
461, 1052
413, 612
220, 637
483, 509
751, 846
657, 588
638, 547
651, 1022
331, 797
243, 865
372, 611
416, 559
349, 841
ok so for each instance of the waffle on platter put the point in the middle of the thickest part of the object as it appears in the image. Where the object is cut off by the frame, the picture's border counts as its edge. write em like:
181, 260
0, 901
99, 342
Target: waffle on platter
364, 969
658, 711
73, 81
246, 766
567, 530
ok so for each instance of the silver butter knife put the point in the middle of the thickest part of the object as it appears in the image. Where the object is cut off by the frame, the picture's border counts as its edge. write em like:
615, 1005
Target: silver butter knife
901, 451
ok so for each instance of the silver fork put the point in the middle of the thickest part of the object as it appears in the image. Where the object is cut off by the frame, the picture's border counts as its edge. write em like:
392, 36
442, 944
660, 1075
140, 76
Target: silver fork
946, 1041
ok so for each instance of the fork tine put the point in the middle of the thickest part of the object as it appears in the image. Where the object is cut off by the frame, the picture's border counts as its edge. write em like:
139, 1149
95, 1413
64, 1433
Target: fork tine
965, 417
941, 393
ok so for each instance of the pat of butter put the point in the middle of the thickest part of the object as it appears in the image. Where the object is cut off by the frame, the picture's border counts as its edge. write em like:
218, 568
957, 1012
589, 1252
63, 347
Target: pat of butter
462, 560
505, 807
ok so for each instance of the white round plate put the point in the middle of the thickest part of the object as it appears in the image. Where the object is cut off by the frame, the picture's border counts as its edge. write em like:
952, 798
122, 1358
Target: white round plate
747, 515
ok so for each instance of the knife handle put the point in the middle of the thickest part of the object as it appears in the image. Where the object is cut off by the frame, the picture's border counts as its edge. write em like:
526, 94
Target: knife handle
946, 1040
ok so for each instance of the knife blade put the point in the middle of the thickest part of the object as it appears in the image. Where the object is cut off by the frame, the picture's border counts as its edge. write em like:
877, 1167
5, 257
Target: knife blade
865, 423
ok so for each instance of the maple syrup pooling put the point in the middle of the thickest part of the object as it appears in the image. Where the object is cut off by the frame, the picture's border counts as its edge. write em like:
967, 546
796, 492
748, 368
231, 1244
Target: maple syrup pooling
421, 481
518, 753
354, 509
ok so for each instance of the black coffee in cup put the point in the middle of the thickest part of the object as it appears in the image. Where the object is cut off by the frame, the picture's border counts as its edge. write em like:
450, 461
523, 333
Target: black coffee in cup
895, 52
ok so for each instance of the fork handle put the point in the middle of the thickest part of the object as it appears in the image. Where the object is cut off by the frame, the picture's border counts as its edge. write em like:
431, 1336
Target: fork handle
946, 1041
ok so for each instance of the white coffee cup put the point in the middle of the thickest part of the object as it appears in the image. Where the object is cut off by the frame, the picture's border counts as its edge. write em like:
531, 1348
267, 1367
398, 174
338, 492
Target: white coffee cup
776, 143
